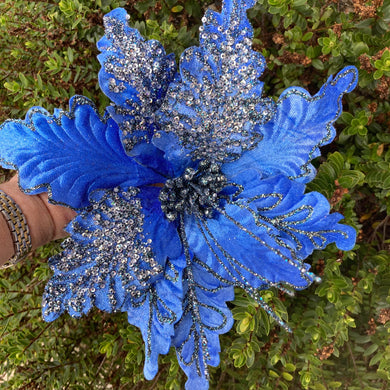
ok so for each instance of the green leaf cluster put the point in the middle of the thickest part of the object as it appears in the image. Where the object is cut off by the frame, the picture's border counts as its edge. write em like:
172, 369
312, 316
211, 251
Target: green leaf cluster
341, 326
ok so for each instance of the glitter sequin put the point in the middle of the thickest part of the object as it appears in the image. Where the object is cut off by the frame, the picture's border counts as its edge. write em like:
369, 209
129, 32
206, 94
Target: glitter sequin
107, 251
195, 192
216, 107
135, 75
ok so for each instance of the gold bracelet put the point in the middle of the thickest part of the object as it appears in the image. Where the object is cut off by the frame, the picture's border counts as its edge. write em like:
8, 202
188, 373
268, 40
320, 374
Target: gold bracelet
18, 228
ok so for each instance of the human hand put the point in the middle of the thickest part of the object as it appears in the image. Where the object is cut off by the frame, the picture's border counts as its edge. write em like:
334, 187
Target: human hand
46, 221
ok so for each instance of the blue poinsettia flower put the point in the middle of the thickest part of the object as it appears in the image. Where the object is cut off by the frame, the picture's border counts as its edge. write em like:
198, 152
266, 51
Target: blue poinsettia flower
192, 184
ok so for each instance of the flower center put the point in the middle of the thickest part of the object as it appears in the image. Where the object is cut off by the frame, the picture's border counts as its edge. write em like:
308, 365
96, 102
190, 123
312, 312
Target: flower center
195, 192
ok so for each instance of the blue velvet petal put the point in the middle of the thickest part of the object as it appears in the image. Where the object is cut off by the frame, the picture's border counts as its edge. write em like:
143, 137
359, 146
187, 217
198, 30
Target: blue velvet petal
155, 312
302, 123
300, 221
114, 250
205, 317
69, 154
215, 109
135, 74
244, 253
262, 237
146, 154
174, 153
165, 239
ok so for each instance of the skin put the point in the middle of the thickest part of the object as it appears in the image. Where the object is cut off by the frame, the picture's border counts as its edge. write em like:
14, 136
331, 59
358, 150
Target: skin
45, 221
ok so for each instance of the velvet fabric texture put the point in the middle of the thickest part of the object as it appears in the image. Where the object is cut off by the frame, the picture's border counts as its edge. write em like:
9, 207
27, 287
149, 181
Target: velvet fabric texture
190, 185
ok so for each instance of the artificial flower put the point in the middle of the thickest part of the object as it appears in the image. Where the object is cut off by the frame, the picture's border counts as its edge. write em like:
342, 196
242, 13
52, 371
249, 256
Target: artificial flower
191, 184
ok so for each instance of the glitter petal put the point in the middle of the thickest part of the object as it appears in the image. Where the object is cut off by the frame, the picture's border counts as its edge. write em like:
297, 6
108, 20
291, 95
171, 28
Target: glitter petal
156, 311
205, 317
135, 75
109, 257
261, 238
245, 254
217, 106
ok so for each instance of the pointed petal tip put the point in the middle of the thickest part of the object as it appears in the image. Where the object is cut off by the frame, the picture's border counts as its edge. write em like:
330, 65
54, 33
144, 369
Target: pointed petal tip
197, 382
117, 13
348, 241
79, 100
150, 368
243, 4
346, 80
50, 316
74, 102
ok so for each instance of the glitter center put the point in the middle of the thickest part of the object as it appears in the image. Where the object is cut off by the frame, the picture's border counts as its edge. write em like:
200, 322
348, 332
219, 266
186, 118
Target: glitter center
195, 192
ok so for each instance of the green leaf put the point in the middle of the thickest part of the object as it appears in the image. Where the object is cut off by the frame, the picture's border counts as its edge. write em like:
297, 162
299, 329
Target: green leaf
299, 3
177, 8
250, 357
243, 325
70, 54
335, 384
347, 117
319, 386
39, 81
290, 367
310, 52
23, 79
307, 36
359, 48
386, 181
351, 178
273, 374
318, 64
13, 87
370, 350
274, 359
305, 379
287, 376
383, 375
376, 359
143, 6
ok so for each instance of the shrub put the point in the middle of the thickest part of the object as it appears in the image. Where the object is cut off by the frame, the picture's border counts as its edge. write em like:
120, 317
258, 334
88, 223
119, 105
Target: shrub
340, 326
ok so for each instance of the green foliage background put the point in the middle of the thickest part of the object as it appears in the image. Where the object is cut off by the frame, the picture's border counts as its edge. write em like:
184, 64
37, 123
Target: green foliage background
341, 326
